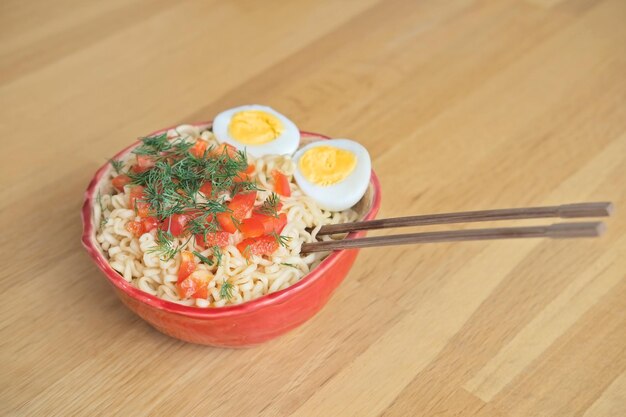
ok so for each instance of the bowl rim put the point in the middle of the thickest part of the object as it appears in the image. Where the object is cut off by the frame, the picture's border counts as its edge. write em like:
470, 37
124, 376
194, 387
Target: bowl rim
88, 241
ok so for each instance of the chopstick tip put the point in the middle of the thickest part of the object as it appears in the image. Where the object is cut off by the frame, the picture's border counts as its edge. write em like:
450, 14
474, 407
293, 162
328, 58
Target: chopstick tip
600, 229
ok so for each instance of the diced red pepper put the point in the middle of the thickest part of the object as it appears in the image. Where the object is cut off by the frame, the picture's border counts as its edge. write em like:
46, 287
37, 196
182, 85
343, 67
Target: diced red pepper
281, 183
143, 209
262, 245
150, 223
250, 169
239, 207
241, 177
176, 224
136, 193
135, 201
202, 291
252, 227
187, 265
226, 221
206, 188
120, 181
224, 148
195, 285
220, 239
135, 227
199, 148
276, 224
144, 163
259, 224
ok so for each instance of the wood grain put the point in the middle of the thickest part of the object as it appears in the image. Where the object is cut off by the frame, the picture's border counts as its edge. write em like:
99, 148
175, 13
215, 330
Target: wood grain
463, 105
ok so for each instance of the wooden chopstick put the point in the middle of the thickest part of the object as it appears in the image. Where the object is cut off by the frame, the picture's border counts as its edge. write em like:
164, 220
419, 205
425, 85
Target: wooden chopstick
600, 209
556, 231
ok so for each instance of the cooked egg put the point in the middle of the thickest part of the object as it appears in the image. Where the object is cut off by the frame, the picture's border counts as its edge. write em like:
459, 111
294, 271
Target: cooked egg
259, 130
334, 173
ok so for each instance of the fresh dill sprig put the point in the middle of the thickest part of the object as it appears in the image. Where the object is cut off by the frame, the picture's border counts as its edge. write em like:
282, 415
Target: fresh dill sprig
203, 225
162, 192
117, 165
281, 239
270, 205
245, 186
226, 291
153, 145
165, 246
103, 219
179, 147
203, 258
172, 183
217, 252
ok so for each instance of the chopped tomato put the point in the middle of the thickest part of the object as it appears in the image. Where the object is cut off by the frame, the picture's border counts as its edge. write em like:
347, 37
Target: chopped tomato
143, 209
241, 177
241, 204
239, 207
262, 245
150, 223
176, 224
135, 200
120, 181
281, 183
199, 148
187, 265
206, 188
250, 169
245, 175
252, 227
220, 239
186, 288
136, 228
224, 148
226, 221
276, 224
202, 291
144, 163
195, 285
259, 224
136, 193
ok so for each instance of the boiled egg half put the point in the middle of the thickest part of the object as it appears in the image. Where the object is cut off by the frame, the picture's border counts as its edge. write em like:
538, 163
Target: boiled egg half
259, 130
334, 173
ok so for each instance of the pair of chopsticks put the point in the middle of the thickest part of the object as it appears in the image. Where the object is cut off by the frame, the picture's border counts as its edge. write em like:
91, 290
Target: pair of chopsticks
556, 231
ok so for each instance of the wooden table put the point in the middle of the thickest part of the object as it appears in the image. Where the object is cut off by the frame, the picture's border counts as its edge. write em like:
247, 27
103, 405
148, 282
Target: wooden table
462, 105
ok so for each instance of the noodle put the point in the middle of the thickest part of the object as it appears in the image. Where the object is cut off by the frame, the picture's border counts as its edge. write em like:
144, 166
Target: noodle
250, 278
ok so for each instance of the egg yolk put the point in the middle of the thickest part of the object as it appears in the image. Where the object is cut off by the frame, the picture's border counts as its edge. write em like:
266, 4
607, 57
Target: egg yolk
255, 127
325, 165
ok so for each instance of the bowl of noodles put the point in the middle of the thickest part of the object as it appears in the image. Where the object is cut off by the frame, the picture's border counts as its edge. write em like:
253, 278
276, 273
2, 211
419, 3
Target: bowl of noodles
184, 271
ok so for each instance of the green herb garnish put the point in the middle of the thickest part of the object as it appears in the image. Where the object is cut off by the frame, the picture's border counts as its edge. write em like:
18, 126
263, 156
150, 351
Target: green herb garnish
226, 291
103, 220
270, 205
165, 246
117, 165
281, 239
171, 186
203, 258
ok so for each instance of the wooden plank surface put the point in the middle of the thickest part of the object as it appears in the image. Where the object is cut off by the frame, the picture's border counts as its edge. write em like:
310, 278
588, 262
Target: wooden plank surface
463, 105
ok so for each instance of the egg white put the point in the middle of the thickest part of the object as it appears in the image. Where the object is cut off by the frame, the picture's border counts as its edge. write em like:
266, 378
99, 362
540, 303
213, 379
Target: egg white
344, 194
285, 144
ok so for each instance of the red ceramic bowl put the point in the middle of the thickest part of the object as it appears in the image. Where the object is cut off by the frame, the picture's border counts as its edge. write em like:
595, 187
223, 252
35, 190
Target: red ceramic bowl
246, 324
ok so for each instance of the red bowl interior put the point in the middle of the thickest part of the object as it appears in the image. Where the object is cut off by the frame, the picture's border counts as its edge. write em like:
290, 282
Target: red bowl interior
246, 324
